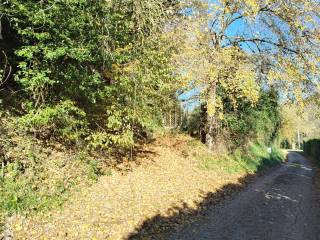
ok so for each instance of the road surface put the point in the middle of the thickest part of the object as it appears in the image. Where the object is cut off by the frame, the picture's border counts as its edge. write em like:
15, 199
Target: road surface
282, 205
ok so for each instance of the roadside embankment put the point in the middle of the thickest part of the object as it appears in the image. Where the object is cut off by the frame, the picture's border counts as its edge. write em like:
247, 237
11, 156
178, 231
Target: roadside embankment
175, 172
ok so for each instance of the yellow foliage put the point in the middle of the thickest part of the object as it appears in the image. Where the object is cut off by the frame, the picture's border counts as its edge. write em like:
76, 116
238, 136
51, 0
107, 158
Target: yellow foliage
234, 72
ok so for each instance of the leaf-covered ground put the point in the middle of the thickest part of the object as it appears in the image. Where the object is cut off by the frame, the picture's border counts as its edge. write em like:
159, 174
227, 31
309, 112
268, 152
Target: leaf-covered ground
170, 175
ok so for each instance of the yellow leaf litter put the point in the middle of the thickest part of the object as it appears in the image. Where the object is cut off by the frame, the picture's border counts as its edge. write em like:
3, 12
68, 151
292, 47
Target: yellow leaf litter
116, 205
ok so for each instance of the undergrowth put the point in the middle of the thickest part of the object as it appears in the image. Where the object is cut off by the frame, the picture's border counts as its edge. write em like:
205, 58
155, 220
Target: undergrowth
311, 148
251, 159
36, 177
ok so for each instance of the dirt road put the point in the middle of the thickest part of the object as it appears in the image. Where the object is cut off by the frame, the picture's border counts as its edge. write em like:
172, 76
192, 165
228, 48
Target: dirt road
281, 205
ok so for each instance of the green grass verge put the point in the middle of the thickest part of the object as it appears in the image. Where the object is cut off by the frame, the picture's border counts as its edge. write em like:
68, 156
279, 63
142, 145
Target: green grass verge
250, 160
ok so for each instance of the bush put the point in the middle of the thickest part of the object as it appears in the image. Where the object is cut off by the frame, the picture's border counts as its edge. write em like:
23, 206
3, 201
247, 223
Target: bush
254, 123
247, 123
312, 149
64, 122
35, 177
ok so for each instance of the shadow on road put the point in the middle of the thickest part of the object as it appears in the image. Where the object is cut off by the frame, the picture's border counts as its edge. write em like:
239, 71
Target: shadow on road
277, 202
155, 227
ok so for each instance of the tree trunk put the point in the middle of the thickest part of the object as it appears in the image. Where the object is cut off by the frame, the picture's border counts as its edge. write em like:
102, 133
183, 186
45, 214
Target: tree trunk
210, 137
211, 117
203, 122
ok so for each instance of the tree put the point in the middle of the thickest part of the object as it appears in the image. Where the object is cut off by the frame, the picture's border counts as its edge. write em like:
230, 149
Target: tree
111, 59
297, 120
277, 46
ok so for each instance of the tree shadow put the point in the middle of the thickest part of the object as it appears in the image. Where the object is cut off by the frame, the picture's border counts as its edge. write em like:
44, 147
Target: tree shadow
125, 161
159, 225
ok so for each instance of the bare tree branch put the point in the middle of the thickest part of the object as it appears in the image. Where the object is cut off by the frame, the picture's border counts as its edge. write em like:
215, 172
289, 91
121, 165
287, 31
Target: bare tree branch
259, 40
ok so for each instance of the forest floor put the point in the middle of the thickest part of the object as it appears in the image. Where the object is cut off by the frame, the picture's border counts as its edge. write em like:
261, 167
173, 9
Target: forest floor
167, 187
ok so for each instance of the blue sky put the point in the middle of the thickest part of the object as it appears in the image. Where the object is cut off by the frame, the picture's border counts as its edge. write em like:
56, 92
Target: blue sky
188, 104
244, 28
248, 29
238, 27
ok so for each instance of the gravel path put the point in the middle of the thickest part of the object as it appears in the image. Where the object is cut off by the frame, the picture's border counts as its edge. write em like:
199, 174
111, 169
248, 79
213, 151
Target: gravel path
281, 205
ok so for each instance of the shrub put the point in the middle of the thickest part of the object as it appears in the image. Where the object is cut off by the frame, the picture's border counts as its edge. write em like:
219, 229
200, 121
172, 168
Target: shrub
64, 122
312, 149
37, 178
106, 141
247, 123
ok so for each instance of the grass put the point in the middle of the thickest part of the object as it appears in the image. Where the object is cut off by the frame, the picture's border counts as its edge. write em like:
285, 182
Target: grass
36, 177
252, 160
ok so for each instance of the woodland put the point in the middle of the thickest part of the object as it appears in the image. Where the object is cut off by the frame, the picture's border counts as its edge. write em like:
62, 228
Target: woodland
84, 85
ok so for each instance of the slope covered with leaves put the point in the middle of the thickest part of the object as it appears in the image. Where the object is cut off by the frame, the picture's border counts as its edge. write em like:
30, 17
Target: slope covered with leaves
176, 172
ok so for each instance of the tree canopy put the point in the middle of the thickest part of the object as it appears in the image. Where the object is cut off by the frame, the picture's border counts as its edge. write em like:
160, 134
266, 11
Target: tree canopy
237, 49
110, 69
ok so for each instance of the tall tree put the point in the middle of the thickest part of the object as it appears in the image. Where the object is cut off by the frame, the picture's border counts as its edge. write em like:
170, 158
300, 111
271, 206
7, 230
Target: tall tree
110, 58
242, 46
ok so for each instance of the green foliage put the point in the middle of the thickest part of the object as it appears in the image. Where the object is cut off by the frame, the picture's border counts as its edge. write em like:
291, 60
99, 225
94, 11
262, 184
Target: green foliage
90, 75
19, 193
250, 160
24, 185
94, 170
98, 75
312, 149
105, 141
64, 122
110, 59
260, 122
35, 177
